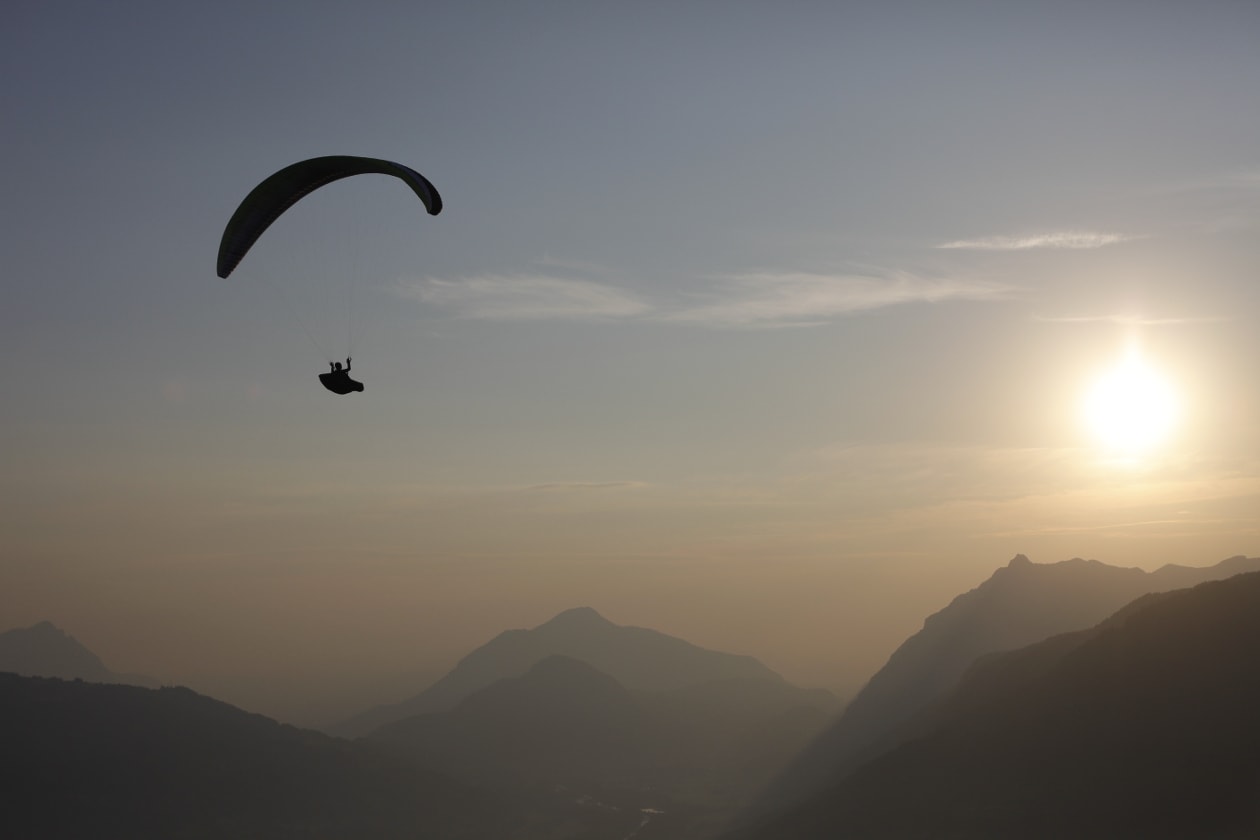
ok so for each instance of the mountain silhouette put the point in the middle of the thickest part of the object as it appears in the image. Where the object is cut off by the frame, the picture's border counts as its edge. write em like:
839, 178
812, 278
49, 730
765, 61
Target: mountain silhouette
45, 650
694, 753
1022, 603
112, 761
1145, 726
634, 656
559, 723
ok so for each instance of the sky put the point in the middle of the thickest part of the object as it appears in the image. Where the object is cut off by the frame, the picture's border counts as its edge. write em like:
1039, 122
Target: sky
770, 326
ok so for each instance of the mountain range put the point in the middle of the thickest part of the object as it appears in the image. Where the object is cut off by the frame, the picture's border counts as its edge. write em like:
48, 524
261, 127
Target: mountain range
559, 748
636, 657
1144, 726
1022, 603
44, 650
1052, 700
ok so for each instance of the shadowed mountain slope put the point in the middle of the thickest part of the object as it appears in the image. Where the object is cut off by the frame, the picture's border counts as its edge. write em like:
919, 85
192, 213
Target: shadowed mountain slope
694, 753
1020, 604
1143, 727
634, 656
103, 761
44, 650
559, 723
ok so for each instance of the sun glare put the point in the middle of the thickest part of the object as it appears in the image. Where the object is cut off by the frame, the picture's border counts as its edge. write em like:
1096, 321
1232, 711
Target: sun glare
1130, 409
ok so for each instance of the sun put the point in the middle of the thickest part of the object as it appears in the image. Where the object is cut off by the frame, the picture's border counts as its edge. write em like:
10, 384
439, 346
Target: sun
1130, 409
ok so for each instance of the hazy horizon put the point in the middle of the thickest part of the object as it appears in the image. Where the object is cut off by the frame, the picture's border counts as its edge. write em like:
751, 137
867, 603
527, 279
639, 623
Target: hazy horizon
773, 329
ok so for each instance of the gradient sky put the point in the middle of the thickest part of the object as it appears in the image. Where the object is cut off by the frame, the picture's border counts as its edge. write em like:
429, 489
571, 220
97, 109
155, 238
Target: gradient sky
765, 325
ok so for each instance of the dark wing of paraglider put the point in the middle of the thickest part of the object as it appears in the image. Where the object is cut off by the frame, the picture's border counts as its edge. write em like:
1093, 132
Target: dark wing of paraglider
268, 201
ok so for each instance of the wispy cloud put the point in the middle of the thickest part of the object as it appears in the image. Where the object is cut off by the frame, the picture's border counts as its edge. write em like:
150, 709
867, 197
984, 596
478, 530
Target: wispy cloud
1059, 239
580, 486
762, 300
1129, 320
798, 299
520, 297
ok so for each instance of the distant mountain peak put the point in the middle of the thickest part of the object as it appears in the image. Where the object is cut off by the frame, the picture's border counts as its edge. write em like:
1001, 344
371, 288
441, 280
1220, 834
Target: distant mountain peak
578, 617
1021, 571
633, 657
42, 630
46, 650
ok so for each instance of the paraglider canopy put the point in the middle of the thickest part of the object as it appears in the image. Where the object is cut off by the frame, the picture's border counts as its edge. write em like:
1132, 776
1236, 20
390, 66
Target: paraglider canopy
280, 191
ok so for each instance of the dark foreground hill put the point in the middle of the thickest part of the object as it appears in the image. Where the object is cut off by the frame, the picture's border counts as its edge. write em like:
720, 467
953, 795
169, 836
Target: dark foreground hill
634, 656
1020, 604
109, 761
688, 757
45, 650
1146, 726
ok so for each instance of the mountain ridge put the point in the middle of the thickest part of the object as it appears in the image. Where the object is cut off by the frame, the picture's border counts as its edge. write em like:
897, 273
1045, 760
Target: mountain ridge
1019, 604
98, 760
45, 650
1141, 726
635, 656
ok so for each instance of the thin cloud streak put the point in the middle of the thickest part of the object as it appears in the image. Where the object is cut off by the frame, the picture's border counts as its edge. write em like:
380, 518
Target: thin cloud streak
1128, 320
525, 297
1061, 239
798, 299
587, 485
761, 300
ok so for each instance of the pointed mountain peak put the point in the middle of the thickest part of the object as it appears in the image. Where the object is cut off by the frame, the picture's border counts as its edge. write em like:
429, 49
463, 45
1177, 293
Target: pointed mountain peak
44, 631
46, 650
1022, 570
579, 617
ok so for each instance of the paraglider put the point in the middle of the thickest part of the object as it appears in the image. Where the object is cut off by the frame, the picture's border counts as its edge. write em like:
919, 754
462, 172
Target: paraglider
281, 190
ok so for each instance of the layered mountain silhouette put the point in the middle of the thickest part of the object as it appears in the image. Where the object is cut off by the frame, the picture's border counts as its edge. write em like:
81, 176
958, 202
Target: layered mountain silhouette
45, 650
633, 656
1020, 604
1145, 726
562, 749
112, 761
692, 755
